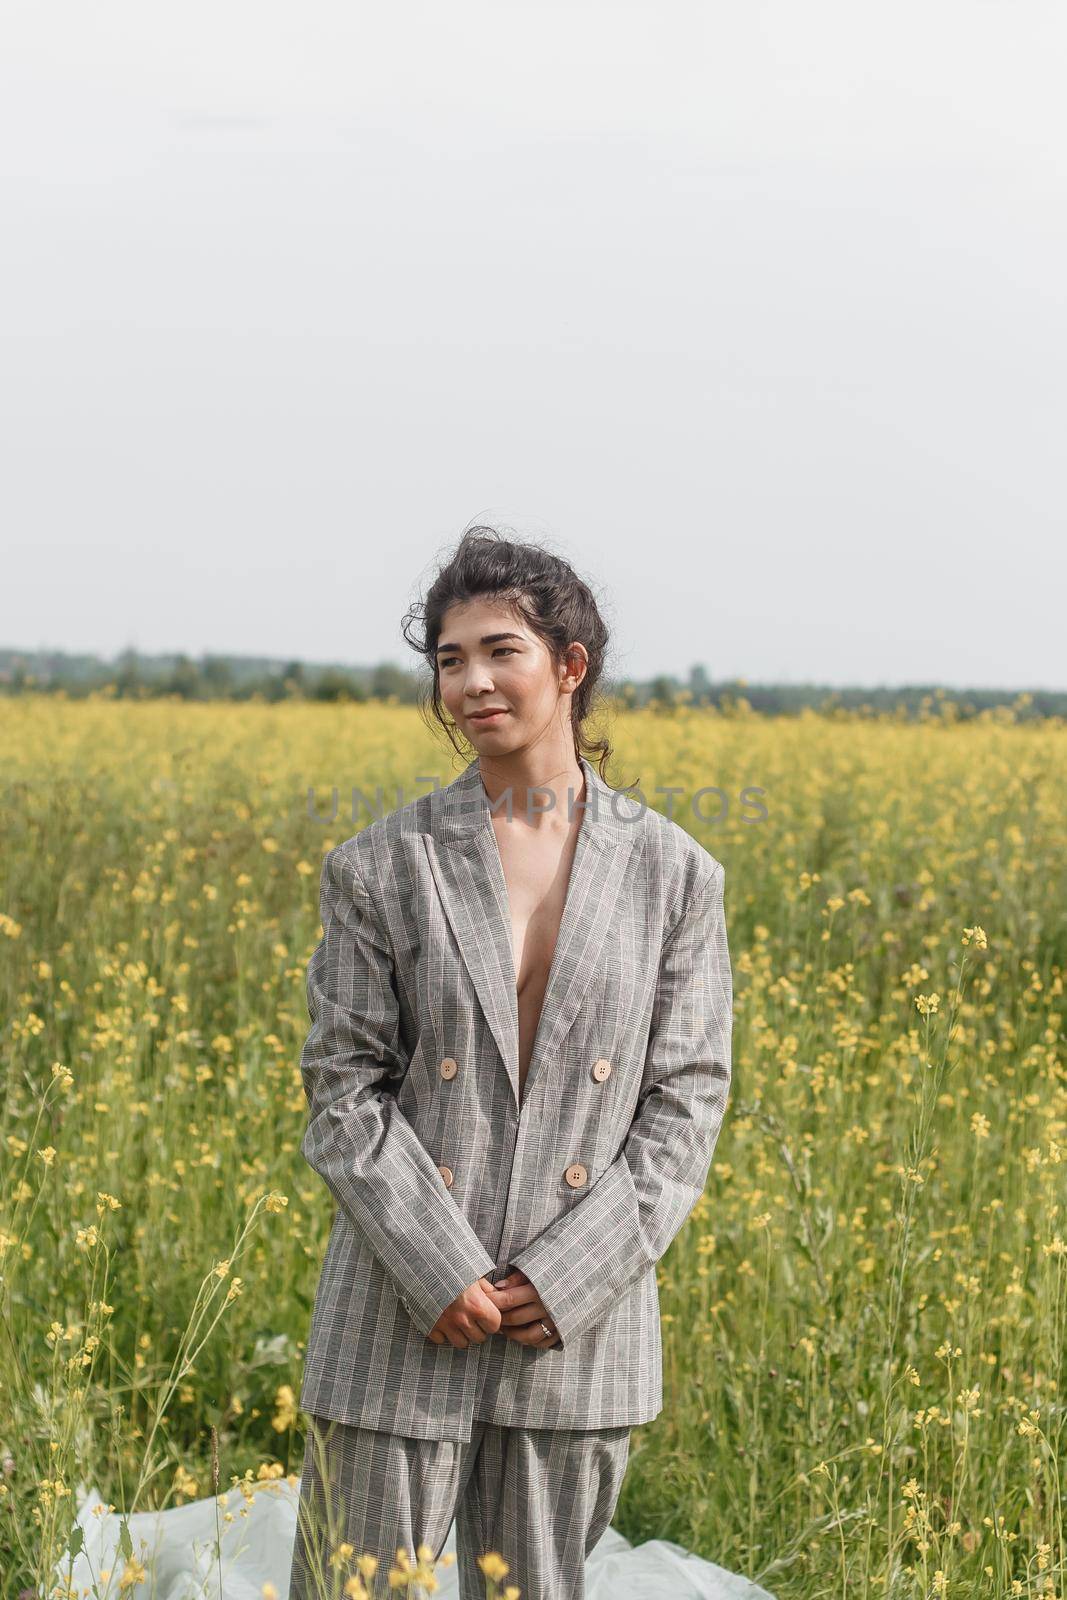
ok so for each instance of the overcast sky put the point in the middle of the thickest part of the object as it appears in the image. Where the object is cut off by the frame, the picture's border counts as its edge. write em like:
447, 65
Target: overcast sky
754, 311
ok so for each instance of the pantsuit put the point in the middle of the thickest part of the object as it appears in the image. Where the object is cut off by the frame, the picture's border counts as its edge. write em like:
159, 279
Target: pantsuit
442, 1173
539, 1497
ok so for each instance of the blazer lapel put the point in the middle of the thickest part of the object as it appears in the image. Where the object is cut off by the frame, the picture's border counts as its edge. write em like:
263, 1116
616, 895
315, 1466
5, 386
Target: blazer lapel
467, 868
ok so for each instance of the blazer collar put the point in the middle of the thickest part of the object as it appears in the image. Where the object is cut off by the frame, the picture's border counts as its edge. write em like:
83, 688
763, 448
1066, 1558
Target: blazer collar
463, 807
465, 860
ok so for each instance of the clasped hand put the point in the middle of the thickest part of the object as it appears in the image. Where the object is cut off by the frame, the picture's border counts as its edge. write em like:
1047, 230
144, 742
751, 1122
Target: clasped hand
511, 1307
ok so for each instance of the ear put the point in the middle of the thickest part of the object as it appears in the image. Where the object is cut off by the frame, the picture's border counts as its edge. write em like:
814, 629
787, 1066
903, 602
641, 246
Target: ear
576, 662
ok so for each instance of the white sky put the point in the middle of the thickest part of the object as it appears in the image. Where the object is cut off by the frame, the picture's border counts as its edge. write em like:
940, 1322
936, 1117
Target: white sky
755, 311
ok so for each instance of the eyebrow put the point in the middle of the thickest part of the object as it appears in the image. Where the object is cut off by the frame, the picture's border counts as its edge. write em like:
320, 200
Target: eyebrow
486, 638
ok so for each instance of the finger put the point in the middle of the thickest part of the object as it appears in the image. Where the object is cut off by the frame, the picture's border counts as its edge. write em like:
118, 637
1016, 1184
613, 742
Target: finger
524, 1311
523, 1296
532, 1336
526, 1322
514, 1280
523, 1317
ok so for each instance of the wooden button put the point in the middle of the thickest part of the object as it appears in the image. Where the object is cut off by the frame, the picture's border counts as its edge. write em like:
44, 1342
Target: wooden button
448, 1068
601, 1069
446, 1173
575, 1175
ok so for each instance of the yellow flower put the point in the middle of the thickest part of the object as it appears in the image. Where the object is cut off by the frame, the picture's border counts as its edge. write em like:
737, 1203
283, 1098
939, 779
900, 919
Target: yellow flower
927, 1003
287, 1412
967, 1400
493, 1565
133, 1572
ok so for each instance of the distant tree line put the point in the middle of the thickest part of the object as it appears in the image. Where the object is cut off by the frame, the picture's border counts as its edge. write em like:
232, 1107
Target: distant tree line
133, 676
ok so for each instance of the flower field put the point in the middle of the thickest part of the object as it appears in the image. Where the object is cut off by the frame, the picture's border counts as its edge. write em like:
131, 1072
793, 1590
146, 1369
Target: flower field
864, 1320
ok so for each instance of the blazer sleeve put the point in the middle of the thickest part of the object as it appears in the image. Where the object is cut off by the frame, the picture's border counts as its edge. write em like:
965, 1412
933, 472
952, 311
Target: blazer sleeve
591, 1255
357, 1138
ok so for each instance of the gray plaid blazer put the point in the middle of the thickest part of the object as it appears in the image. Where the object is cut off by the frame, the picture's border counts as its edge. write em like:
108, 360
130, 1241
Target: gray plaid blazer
411, 1070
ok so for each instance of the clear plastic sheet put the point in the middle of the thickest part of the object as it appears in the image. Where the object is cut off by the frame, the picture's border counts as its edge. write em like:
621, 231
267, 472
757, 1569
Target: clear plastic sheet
179, 1551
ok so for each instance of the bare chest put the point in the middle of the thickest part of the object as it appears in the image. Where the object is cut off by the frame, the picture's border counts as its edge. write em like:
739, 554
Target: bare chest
537, 868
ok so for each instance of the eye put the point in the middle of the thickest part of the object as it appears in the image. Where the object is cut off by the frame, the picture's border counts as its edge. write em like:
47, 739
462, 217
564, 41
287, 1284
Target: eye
446, 661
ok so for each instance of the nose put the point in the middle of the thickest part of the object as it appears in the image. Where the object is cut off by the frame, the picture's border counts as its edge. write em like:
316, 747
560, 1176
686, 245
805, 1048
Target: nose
478, 681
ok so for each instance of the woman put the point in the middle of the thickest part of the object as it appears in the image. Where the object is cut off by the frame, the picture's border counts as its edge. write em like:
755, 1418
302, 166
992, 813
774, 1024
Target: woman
516, 1072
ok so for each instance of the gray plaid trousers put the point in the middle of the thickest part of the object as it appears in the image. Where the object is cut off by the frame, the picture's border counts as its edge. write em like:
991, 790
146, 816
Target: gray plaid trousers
541, 1498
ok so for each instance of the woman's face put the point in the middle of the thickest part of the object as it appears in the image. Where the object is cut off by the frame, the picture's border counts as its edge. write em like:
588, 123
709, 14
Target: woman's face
487, 659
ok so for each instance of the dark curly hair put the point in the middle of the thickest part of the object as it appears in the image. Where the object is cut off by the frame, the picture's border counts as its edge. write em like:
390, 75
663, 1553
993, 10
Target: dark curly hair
540, 588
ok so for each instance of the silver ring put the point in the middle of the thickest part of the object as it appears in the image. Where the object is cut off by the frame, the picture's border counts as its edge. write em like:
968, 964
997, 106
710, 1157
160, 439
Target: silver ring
548, 1330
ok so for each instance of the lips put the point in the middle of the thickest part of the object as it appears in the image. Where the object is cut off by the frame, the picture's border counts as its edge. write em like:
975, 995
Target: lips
488, 716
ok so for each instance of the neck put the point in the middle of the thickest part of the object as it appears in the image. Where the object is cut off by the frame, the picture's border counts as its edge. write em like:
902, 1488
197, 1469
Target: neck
533, 787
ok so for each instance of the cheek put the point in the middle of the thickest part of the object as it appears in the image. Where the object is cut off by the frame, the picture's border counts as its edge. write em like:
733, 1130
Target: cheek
532, 686
451, 693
